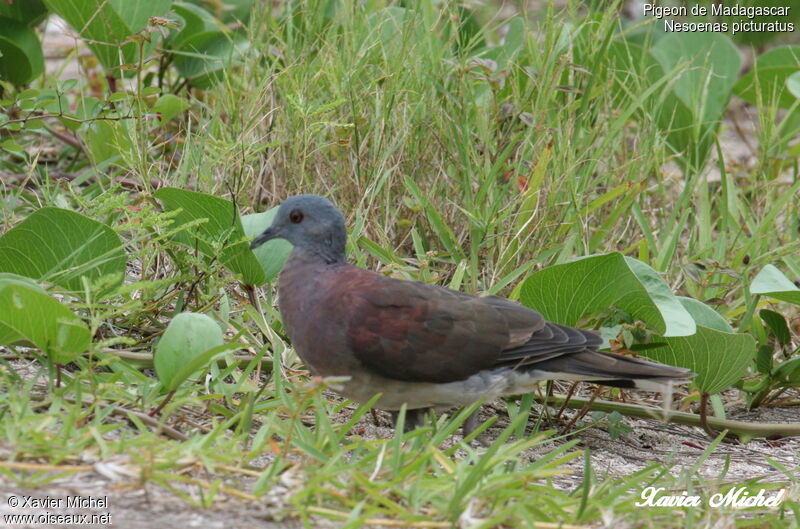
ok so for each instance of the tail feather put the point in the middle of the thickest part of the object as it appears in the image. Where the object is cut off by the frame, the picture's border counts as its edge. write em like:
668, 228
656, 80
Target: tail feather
613, 369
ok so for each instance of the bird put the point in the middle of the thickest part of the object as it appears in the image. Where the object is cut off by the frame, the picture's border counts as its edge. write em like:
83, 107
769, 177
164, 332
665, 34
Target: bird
420, 345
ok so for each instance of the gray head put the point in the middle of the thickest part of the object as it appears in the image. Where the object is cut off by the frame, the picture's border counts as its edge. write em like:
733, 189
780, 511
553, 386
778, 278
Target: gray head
310, 222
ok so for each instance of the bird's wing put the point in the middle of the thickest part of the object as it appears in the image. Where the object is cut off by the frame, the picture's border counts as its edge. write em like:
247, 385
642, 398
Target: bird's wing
408, 330
552, 341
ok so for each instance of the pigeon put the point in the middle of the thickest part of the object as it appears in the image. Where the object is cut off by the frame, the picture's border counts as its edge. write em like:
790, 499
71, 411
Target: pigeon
422, 345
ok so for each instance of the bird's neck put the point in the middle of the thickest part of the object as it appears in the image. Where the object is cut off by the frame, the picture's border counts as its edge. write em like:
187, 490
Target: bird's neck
327, 255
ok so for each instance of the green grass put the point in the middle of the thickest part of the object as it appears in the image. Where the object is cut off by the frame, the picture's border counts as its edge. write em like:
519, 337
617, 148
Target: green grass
454, 171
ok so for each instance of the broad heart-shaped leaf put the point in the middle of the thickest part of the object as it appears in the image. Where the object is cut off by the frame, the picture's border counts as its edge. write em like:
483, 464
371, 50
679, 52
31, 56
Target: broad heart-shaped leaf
793, 84
712, 68
203, 57
272, 254
29, 12
109, 141
237, 11
672, 115
61, 246
21, 58
565, 292
771, 282
717, 354
704, 85
194, 19
222, 226
705, 315
43, 321
199, 362
107, 24
7, 334
777, 324
719, 358
771, 73
168, 106
189, 336
391, 23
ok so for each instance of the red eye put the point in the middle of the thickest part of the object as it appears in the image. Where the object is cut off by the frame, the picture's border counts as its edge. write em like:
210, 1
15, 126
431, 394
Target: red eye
296, 216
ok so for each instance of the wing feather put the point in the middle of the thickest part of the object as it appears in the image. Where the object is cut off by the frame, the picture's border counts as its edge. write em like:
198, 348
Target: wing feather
408, 330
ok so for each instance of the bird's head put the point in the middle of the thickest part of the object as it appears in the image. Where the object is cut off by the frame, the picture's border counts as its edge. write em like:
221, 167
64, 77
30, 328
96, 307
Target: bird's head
309, 222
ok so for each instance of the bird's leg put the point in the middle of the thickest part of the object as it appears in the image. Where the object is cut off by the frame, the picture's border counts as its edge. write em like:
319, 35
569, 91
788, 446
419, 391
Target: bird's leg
414, 418
471, 424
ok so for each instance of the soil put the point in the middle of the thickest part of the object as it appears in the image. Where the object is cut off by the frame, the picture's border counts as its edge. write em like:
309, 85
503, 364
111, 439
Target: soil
137, 504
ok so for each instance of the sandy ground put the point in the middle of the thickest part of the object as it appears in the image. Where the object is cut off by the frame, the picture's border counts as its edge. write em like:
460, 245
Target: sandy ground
132, 504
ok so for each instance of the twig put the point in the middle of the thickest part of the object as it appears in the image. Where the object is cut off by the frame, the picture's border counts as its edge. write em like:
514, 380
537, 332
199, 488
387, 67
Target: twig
704, 416
124, 412
145, 360
583, 411
72, 119
42, 467
745, 430
150, 421
57, 175
206, 485
569, 394
155, 411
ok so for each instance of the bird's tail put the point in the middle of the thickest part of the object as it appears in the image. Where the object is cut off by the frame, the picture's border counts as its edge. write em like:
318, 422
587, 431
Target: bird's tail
614, 369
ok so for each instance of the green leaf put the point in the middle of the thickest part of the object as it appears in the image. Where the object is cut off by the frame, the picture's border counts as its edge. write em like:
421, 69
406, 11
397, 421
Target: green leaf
671, 114
189, 343
87, 107
565, 292
705, 315
390, 24
13, 147
107, 24
717, 354
200, 361
719, 358
771, 72
764, 358
513, 43
704, 84
109, 141
771, 282
168, 106
7, 334
793, 84
194, 19
777, 324
21, 58
61, 246
203, 58
28, 12
272, 254
236, 11
32, 315
712, 66
223, 227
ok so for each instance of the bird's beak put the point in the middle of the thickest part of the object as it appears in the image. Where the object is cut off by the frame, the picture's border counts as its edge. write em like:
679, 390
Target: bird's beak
269, 234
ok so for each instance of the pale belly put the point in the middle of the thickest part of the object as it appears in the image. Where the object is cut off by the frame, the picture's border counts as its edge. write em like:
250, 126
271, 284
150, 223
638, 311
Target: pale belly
488, 385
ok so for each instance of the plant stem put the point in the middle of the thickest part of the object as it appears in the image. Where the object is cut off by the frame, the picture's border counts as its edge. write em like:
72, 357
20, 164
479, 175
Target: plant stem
164, 402
745, 430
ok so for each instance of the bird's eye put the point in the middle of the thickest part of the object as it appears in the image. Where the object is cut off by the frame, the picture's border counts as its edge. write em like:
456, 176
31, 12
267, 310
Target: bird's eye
296, 216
